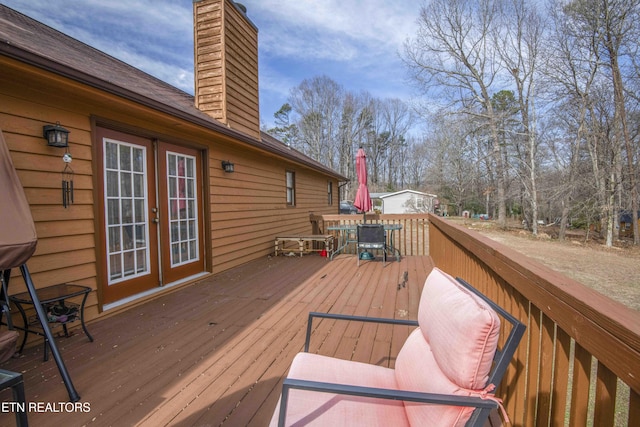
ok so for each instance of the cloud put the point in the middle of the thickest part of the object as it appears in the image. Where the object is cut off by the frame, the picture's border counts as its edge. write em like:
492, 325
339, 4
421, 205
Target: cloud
331, 29
155, 36
353, 42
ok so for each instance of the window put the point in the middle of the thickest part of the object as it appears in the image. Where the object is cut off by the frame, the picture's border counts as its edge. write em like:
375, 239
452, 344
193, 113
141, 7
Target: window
330, 193
291, 188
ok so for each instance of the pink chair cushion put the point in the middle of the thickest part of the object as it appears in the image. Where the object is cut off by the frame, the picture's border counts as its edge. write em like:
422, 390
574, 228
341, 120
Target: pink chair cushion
452, 350
325, 409
450, 353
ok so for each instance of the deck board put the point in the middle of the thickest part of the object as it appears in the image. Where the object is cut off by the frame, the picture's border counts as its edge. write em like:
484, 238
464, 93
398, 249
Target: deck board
215, 353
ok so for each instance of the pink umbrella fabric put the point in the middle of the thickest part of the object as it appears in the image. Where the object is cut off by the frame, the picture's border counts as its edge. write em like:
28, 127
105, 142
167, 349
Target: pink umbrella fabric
363, 199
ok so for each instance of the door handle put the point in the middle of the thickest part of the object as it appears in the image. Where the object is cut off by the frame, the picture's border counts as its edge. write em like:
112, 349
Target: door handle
155, 220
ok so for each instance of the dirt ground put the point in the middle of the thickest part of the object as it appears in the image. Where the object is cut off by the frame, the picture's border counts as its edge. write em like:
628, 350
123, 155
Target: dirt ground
612, 271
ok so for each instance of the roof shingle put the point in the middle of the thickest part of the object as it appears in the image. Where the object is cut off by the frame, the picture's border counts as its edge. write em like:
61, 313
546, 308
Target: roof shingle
37, 44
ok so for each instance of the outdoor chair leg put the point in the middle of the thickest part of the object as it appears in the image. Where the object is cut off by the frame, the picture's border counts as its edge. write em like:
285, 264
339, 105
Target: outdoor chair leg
42, 316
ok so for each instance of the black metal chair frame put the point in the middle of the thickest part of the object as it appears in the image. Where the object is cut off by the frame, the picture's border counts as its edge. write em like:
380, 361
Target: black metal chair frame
371, 236
484, 407
46, 330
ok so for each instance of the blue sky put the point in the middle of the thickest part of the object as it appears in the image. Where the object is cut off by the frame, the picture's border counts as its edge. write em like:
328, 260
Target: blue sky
354, 42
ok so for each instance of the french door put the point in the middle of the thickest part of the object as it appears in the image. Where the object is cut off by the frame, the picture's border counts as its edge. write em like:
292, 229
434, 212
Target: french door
151, 195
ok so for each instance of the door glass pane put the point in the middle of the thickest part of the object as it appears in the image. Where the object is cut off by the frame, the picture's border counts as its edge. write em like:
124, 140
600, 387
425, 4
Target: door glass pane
139, 210
173, 187
129, 264
141, 261
192, 229
125, 158
138, 160
127, 237
111, 155
115, 267
125, 184
126, 210
112, 184
181, 189
191, 208
141, 239
171, 165
138, 185
114, 239
113, 211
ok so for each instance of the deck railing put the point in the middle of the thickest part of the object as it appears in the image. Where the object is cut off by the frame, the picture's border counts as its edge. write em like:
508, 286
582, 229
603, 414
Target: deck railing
411, 239
579, 363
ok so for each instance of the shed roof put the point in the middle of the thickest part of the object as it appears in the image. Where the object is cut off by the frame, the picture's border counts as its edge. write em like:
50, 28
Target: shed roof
395, 193
32, 42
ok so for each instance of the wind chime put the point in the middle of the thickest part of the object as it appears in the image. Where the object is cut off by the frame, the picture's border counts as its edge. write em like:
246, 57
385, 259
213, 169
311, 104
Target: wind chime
57, 136
67, 180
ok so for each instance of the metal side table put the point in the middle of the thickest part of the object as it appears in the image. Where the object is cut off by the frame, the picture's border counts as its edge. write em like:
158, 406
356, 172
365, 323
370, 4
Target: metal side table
51, 297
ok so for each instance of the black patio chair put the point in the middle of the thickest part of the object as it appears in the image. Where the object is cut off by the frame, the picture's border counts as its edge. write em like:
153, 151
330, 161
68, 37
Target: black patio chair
371, 236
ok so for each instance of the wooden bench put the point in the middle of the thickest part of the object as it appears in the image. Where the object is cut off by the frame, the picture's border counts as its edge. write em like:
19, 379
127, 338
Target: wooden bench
303, 241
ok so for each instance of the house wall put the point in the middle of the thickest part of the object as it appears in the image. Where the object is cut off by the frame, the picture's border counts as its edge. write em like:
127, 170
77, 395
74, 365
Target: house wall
246, 208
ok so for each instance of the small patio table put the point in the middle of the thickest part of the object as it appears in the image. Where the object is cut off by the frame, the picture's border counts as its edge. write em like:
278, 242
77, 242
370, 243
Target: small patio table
347, 235
48, 296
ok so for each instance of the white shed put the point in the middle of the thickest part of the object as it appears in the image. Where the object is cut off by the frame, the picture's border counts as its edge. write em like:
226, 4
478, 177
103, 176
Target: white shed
405, 201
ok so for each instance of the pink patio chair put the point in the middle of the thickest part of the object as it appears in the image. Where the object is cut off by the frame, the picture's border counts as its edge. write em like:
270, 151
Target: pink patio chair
444, 374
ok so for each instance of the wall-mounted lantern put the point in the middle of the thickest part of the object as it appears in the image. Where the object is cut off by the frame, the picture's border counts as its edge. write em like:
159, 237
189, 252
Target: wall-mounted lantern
56, 135
227, 166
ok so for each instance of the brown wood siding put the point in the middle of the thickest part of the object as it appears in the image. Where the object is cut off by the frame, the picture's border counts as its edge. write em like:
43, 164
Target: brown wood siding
241, 53
208, 59
226, 62
244, 209
66, 244
248, 207
241, 63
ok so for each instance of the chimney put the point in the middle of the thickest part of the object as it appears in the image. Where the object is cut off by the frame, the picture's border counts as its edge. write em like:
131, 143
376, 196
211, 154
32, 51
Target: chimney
226, 64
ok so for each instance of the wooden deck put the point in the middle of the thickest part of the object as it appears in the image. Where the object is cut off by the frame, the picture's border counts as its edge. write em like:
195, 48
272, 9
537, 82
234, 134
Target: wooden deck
215, 352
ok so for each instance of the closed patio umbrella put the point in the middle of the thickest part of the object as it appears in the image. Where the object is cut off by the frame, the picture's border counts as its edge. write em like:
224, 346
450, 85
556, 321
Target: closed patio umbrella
18, 241
363, 199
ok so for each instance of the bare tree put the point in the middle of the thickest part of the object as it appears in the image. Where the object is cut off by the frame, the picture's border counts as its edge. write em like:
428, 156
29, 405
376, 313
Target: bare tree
572, 67
415, 164
518, 41
615, 26
454, 160
355, 121
453, 55
398, 119
620, 21
318, 103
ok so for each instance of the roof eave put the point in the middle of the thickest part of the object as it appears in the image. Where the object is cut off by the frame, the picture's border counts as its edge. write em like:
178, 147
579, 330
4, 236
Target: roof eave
40, 62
